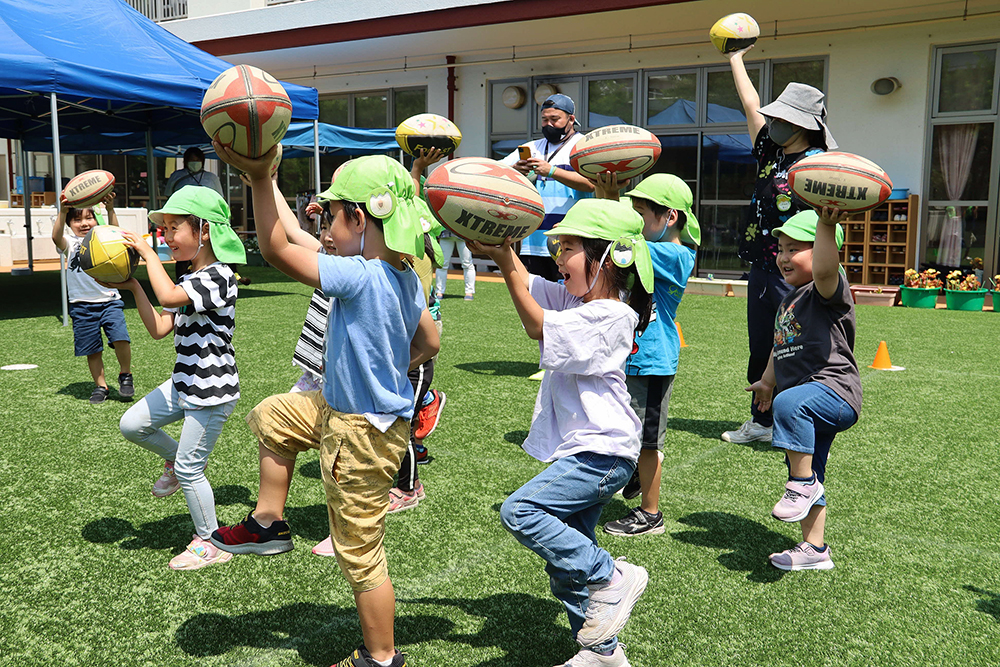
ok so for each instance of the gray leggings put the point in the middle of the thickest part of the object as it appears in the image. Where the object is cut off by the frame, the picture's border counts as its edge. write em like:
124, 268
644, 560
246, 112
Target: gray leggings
142, 424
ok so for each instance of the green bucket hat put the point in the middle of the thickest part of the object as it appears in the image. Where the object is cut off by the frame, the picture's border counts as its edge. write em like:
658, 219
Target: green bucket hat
208, 205
609, 220
430, 226
802, 227
384, 187
670, 191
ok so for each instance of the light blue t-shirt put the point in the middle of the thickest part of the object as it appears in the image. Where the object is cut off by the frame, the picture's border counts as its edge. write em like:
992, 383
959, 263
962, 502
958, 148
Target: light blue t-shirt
659, 346
373, 315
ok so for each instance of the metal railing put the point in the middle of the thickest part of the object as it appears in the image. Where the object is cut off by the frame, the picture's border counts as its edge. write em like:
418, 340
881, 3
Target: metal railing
161, 10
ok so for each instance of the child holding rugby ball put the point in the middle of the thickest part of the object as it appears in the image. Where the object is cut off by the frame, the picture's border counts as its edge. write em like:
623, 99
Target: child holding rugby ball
583, 424
812, 368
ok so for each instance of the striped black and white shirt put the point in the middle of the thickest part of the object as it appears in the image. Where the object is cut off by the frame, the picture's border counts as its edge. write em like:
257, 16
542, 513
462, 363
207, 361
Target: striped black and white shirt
308, 353
205, 371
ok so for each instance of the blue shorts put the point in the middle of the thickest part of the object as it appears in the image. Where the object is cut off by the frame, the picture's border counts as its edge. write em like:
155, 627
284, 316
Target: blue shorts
806, 419
90, 318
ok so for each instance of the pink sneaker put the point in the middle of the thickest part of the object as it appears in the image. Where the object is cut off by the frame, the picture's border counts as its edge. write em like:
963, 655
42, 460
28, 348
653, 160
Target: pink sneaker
324, 548
797, 501
400, 500
802, 556
167, 483
199, 554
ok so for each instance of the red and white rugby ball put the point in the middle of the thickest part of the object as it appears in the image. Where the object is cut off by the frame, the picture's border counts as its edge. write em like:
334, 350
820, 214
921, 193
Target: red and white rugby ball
623, 149
88, 188
839, 180
483, 200
246, 110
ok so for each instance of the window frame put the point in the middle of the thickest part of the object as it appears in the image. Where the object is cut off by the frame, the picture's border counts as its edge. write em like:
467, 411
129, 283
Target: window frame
390, 99
936, 71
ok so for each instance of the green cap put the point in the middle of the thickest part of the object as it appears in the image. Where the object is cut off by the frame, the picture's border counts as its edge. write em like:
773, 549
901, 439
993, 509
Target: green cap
207, 204
610, 221
670, 191
802, 227
384, 187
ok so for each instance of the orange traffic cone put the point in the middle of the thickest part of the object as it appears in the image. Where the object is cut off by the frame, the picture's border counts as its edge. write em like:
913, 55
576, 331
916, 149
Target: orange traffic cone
680, 334
882, 362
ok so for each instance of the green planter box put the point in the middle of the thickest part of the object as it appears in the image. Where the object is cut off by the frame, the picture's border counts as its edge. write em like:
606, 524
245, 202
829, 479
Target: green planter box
965, 299
255, 259
920, 297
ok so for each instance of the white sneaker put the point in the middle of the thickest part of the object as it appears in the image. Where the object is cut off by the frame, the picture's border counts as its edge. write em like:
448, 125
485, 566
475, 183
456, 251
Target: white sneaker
587, 658
611, 605
749, 432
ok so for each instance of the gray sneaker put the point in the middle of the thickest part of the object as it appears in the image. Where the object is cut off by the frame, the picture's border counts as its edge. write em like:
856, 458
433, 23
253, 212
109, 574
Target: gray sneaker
803, 556
587, 658
749, 432
610, 606
636, 522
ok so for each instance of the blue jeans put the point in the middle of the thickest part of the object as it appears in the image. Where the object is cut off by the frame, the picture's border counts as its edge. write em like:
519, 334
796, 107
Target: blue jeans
142, 424
806, 418
555, 515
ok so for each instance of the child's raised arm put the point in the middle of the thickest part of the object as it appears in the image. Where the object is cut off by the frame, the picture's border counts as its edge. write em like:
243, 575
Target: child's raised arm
748, 94
59, 228
109, 205
294, 261
421, 162
289, 221
826, 256
158, 324
516, 277
168, 293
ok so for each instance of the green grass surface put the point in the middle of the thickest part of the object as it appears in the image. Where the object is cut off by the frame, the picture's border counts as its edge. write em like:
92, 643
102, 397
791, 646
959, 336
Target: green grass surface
913, 517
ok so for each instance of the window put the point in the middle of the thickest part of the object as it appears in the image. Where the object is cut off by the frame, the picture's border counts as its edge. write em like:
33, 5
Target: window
966, 81
375, 109
610, 101
671, 99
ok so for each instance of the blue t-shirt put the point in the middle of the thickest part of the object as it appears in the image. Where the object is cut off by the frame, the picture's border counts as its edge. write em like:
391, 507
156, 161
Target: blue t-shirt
658, 347
373, 315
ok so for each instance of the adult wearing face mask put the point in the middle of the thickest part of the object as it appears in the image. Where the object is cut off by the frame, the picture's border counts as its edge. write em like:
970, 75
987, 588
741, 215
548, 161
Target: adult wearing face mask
193, 173
783, 132
555, 179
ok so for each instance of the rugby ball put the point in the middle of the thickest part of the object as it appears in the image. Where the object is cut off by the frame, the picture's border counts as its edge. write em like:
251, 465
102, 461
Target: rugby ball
839, 180
89, 188
246, 110
483, 200
105, 256
623, 149
427, 131
277, 161
734, 32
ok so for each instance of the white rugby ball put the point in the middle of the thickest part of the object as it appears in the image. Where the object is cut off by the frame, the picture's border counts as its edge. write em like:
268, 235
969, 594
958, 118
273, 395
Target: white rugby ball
734, 32
89, 188
839, 180
426, 131
623, 149
247, 110
483, 200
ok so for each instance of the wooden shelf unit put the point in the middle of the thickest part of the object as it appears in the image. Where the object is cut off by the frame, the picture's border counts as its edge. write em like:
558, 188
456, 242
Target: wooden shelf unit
878, 247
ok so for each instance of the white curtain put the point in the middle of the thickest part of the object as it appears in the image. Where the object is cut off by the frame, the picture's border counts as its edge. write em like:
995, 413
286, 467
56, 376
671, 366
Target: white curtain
957, 144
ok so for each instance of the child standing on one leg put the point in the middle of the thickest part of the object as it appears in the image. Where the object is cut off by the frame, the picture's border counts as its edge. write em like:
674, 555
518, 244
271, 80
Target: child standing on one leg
582, 424
93, 306
203, 389
812, 367
378, 328
664, 202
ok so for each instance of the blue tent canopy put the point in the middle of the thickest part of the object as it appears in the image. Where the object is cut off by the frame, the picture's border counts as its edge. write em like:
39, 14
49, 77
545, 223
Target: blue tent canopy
111, 69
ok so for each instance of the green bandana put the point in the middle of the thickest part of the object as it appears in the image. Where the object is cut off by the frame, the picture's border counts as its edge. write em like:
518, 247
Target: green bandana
207, 204
670, 191
802, 227
610, 221
384, 187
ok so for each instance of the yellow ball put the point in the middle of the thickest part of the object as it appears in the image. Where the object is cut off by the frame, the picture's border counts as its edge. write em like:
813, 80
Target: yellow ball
105, 256
734, 32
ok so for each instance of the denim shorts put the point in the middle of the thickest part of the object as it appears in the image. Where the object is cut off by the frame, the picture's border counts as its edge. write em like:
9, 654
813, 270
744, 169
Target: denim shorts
90, 318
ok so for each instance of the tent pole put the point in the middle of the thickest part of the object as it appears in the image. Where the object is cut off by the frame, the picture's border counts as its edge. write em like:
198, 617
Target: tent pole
22, 158
151, 176
316, 154
57, 186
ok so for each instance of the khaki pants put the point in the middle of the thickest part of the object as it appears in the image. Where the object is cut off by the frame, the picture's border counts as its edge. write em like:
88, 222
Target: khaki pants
358, 463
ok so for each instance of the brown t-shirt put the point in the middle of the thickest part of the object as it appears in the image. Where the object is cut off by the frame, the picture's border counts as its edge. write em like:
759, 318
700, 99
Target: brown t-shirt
814, 342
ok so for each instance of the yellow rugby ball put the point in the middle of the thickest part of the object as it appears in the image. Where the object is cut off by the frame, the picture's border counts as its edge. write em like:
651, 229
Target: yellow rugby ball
426, 131
105, 256
734, 32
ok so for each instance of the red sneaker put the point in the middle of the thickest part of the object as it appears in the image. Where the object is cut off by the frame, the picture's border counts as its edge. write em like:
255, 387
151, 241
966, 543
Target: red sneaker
429, 415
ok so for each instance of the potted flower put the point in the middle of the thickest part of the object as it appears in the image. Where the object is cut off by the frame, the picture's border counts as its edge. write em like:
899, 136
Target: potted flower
964, 292
254, 258
920, 290
995, 292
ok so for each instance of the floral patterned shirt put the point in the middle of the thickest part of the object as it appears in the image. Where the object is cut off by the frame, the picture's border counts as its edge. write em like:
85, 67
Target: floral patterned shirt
772, 202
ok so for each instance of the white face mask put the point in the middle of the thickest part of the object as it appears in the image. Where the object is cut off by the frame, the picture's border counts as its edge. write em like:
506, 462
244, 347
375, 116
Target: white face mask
194, 167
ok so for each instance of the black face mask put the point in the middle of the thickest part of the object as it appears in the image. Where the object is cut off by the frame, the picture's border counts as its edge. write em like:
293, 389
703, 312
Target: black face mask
554, 135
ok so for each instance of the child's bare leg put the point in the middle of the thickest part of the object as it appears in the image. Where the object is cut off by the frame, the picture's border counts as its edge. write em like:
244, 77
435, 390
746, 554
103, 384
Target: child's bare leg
275, 479
95, 362
377, 611
799, 464
814, 525
649, 480
123, 350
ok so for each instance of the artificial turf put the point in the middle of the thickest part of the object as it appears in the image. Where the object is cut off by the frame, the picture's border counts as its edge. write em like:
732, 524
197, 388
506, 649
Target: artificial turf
913, 521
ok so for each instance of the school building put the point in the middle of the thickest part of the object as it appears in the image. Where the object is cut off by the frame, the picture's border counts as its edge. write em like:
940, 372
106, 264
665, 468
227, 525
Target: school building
910, 85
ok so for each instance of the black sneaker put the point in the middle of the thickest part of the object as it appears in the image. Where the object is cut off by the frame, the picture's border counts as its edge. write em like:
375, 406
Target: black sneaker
632, 488
362, 658
636, 522
100, 395
126, 387
249, 537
